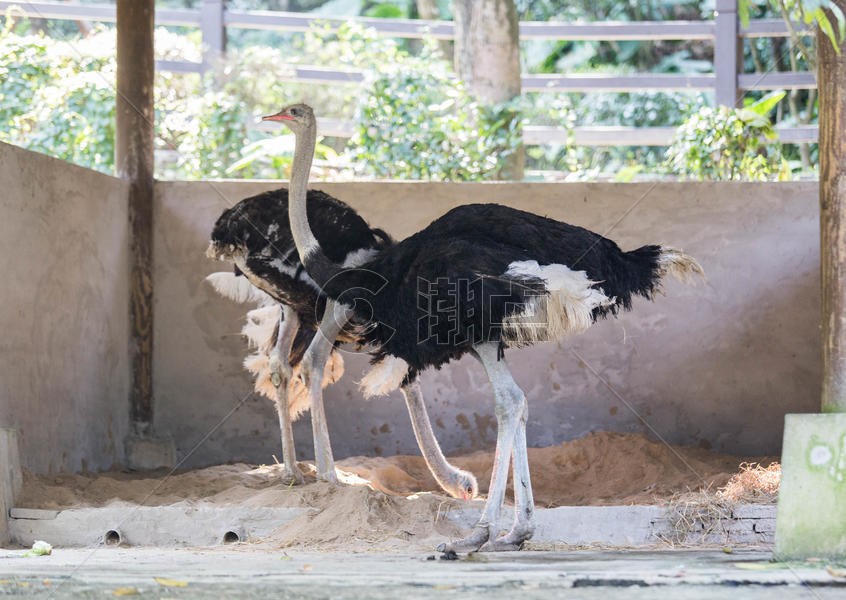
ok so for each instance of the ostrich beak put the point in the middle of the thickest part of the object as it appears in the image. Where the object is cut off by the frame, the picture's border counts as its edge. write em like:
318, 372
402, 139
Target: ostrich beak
278, 117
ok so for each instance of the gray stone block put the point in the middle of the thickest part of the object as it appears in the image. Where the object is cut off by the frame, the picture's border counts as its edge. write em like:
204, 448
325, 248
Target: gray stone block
11, 478
147, 453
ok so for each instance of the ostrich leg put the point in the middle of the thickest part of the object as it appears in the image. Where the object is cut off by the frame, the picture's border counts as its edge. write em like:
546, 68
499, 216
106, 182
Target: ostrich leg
460, 484
510, 409
280, 377
314, 363
524, 502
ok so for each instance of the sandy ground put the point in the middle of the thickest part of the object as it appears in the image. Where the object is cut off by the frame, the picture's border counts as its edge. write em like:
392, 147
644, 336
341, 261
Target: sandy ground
393, 502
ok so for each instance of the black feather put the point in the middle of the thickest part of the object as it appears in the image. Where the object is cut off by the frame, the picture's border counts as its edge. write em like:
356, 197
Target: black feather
259, 224
431, 297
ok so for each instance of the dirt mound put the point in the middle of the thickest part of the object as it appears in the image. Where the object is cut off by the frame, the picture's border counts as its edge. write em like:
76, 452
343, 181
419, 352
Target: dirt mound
599, 469
394, 502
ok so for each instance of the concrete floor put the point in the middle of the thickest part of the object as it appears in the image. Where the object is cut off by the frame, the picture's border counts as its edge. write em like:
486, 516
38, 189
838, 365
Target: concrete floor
242, 572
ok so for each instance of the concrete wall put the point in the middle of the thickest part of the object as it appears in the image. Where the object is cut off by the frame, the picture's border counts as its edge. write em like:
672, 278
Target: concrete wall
716, 365
63, 311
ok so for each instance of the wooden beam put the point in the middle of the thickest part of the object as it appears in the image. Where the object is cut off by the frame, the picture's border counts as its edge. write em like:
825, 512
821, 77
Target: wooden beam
416, 28
758, 28
134, 134
214, 32
539, 135
95, 12
589, 82
832, 103
801, 80
618, 30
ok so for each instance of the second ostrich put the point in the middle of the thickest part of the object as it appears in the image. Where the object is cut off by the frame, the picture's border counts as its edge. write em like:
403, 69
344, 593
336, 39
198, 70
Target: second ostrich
480, 279
255, 236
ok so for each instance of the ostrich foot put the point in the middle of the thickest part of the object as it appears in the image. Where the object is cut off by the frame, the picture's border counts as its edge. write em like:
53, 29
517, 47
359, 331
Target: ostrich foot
292, 475
329, 475
513, 540
474, 541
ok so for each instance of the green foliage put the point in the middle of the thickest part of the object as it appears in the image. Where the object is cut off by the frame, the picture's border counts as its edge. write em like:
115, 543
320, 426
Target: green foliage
728, 144
58, 97
56, 102
416, 122
386, 10
273, 157
208, 136
809, 12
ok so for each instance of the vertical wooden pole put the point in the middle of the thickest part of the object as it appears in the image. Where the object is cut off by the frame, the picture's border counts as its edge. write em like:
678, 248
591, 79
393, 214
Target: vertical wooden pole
214, 32
831, 75
134, 134
726, 51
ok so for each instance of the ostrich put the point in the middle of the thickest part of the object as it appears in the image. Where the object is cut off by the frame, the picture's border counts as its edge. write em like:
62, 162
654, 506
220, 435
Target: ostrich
294, 342
478, 280
266, 363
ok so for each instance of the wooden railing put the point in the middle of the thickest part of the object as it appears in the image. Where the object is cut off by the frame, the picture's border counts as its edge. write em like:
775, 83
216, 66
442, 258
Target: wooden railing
724, 31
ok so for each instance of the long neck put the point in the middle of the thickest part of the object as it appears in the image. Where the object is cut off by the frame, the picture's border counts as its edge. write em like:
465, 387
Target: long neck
316, 263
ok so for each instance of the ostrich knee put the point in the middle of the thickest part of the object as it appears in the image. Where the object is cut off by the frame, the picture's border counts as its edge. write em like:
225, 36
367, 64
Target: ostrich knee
280, 370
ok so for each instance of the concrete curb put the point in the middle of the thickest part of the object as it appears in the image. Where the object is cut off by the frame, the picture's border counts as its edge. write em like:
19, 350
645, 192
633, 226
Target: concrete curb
637, 525
164, 526
199, 525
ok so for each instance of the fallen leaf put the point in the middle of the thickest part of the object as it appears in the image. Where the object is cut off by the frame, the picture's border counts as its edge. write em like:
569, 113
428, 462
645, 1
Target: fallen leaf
46, 582
760, 566
813, 559
23, 584
835, 572
5, 581
444, 587
125, 592
170, 582
728, 550
305, 568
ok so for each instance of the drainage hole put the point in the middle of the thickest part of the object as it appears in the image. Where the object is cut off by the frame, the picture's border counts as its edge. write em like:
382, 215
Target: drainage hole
230, 537
112, 538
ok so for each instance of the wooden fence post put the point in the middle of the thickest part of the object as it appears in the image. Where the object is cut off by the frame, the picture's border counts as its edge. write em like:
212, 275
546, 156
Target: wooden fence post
214, 32
134, 135
832, 70
727, 53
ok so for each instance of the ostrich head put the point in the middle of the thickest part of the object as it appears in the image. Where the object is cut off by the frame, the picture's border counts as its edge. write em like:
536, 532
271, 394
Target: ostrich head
462, 485
297, 117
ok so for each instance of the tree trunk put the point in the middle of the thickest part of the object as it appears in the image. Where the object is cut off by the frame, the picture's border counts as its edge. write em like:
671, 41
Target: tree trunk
429, 11
487, 57
832, 106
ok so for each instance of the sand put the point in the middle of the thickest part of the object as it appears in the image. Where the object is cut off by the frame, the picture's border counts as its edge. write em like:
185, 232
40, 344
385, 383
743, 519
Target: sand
393, 502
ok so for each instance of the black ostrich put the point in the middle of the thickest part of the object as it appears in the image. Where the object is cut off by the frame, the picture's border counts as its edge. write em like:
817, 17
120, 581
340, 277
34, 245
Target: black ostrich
296, 328
480, 279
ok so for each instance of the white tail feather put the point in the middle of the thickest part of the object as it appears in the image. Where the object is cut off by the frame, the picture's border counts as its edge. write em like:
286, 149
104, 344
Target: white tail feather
385, 376
237, 288
261, 327
567, 307
682, 266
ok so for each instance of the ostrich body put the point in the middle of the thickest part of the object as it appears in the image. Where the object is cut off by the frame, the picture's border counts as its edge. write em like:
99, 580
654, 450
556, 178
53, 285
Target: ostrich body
296, 328
478, 280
